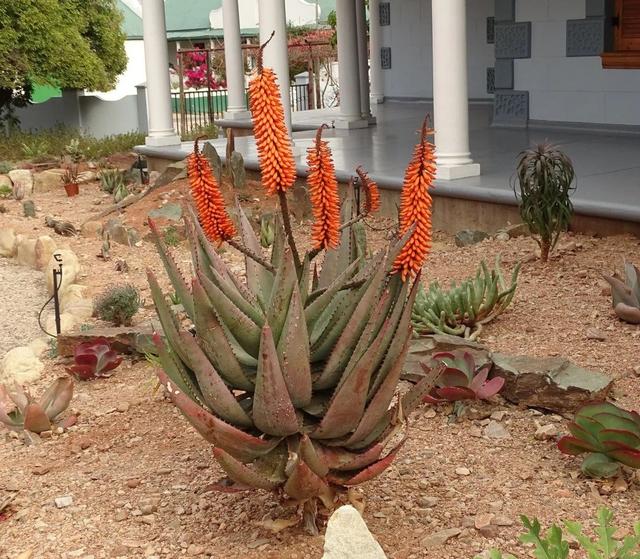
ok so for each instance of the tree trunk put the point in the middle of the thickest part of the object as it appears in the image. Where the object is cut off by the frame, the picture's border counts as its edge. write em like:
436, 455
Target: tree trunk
545, 247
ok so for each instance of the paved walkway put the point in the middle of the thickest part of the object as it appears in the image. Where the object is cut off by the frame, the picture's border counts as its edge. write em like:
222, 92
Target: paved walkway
607, 164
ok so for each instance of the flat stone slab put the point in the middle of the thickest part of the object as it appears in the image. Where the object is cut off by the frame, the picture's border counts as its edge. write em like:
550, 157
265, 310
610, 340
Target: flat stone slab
130, 340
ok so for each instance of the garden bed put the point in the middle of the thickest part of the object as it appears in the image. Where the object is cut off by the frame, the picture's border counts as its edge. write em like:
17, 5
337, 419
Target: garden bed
140, 476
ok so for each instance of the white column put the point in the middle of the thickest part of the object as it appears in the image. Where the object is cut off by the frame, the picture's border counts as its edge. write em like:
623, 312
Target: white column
156, 58
273, 18
450, 97
363, 61
348, 71
233, 63
375, 44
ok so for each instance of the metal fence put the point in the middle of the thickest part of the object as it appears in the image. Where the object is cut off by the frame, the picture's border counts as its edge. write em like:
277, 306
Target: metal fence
200, 108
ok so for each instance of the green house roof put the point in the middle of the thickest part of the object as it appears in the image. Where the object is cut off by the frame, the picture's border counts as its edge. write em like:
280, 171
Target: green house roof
132, 22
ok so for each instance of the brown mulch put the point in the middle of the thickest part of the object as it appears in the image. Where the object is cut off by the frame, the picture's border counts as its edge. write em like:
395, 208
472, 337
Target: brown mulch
140, 476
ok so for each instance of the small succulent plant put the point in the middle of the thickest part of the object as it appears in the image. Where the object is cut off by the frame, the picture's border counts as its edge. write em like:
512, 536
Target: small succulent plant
461, 380
610, 436
626, 293
111, 180
267, 231
94, 359
19, 411
464, 308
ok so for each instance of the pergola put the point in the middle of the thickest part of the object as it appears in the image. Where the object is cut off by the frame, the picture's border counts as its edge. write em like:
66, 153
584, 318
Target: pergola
359, 84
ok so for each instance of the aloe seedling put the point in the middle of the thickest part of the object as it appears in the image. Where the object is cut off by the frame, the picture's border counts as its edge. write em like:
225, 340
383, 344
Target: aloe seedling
626, 293
464, 308
461, 380
19, 411
94, 359
610, 436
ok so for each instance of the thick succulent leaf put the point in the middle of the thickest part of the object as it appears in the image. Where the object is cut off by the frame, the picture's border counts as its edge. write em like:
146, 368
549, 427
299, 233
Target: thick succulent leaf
611, 437
56, 397
215, 343
622, 293
244, 330
304, 283
337, 260
176, 371
175, 275
286, 279
599, 465
273, 411
279, 241
574, 446
632, 275
35, 419
601, 407
326, 319
585, 435
627, 313
414, 397
489, 388
254, 312
373, 470
349, 399
214, 391
616, 421
314, 456
241, 473
259, 279
304, 484
293, 353
340, 459
455, 393
453, 377
240, 445
627, 457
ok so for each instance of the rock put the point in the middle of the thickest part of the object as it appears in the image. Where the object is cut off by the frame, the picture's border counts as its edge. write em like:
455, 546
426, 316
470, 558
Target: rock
496, 430
48, 180
5, 181
91, 229
67, 322
498, 415
81, 309
546, 432
173, 172
501, 236
87, 176
26, 251
347, 537
120, 234
551, 383
439, 538
39, 346
468, 237
595, 334
123, 339
8, 242
427, 502
517, 230
463, 471
194, 550
170, 212
636, 371
29, 208
22, 178
483, 521
64, 501
21, 365
70, 269
503, 521
210, 152
238, 173
45, 247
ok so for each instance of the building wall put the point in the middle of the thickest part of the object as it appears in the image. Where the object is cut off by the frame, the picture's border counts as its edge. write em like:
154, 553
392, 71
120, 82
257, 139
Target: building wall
576, 88
409, 37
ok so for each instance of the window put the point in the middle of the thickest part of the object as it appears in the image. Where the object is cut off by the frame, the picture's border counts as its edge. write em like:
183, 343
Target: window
625, 27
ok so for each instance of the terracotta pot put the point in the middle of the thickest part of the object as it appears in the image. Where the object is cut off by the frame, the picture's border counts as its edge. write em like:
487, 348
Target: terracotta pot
72, 189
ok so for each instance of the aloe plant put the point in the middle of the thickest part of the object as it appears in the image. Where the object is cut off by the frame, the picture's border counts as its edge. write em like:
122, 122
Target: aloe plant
94, 359
625, 293
608, 434
292, 375
465, 308
461, 379
20, 411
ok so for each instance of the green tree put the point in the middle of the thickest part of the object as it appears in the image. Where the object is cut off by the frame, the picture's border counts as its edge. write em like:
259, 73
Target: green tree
65, 43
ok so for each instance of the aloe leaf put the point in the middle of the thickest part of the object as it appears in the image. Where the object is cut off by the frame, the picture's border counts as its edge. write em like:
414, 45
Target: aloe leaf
259, 279
321, 349
326, 319
241, 473
375, 469
279, 240
283, 285
57, 397
621, 293
175, 275
304, 283
303, 483
232, 293
339, 259
627, 313
35, 419
175, 370
314, 456
273, 411
340, 459
240, 445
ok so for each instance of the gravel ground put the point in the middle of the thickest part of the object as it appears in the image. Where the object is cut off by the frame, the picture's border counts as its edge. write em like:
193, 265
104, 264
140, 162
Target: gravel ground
22, 294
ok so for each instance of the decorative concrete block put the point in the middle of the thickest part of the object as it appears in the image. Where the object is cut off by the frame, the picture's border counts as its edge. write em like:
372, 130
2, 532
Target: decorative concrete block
385, 13
385, 58
505, 10
504, 73
513, 40
491, 30
511, 108
585, 37
491, 80
596, 8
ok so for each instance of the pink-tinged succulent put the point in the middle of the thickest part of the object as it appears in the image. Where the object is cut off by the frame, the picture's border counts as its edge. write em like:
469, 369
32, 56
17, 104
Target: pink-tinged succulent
461, 380
19, 411
625, 293
610, 436
94, 359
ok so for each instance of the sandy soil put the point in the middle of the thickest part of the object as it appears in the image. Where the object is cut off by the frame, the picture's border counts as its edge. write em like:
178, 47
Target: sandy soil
139, 476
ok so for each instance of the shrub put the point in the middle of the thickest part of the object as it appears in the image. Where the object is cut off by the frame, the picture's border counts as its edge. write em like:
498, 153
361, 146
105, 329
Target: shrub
74, 151
118, 305
171, 236
544, 185
6, 191
5, 167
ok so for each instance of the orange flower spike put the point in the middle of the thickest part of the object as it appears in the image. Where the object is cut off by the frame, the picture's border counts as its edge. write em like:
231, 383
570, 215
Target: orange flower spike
371, 192
415, 206
208, 199
323, 191
278, 168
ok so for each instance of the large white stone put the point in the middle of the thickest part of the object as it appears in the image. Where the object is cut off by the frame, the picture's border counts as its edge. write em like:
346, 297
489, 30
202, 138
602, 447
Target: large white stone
20, 365
39, 346
8, 242
24, 178
73, 294
45, 247
80, 309
48, 180
348, 537
70, 269
5, 181
26, 253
